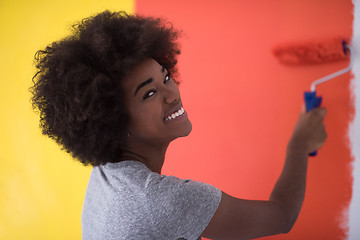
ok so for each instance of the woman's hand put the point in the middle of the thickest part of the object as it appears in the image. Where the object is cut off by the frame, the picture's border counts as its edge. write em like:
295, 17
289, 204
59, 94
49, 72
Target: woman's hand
309, 131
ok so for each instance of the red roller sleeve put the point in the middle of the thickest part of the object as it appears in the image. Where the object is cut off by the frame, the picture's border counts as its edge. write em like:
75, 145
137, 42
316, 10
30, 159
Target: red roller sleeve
311, 52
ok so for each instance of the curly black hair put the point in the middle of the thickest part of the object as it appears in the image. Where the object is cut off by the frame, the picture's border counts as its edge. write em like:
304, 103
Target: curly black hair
77, 88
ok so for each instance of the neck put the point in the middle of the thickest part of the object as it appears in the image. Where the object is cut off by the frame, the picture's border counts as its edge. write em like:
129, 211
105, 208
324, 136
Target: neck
152, 156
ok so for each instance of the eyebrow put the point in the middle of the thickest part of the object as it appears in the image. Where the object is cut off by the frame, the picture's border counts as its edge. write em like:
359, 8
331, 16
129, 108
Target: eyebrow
143, 84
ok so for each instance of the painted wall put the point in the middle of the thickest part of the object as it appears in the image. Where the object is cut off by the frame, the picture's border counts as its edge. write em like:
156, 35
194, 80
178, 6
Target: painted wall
243, 105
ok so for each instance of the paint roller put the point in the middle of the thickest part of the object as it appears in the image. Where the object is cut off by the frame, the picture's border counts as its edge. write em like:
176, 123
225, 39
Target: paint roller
315, 52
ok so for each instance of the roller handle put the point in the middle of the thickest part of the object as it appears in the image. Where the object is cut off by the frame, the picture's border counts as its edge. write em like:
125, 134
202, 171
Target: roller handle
312, 101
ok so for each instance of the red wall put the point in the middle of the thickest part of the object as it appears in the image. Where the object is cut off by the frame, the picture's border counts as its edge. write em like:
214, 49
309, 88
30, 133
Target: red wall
243, 104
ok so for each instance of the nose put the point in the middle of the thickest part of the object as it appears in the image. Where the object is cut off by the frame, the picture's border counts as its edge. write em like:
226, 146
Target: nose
172, 95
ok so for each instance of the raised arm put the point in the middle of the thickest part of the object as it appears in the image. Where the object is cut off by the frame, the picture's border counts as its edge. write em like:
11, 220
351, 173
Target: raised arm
247, 219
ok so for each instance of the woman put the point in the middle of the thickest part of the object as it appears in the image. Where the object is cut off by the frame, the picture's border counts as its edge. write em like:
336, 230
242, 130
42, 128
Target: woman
106, 95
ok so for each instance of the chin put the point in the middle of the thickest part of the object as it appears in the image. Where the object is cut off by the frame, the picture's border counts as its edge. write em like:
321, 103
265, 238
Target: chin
188, 129
184, 131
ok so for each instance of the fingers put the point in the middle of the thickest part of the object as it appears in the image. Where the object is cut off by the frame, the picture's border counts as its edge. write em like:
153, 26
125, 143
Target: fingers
320, 134
320, 139
319, 113
320, 110
310, 128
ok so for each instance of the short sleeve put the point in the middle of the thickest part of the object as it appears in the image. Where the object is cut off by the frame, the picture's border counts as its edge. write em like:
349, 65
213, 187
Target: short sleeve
180, 209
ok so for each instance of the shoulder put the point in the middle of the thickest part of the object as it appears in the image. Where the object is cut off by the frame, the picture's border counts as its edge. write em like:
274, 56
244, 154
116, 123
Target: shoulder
168, 187
181, 207
120, 172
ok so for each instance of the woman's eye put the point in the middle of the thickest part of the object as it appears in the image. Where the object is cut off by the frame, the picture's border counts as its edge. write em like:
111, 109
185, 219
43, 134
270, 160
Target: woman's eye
149, 94
167, 78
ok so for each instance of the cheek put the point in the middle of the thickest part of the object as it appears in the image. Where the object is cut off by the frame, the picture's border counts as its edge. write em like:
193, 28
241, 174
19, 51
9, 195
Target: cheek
146, 120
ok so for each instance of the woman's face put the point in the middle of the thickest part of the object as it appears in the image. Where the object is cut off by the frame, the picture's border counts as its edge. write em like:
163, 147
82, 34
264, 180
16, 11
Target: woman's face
154, 104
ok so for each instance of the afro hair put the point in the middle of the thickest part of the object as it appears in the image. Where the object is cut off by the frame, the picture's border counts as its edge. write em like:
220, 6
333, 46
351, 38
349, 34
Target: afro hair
76, 88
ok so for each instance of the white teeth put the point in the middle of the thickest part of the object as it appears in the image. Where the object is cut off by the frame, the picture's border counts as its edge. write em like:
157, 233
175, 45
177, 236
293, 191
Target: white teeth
176, 114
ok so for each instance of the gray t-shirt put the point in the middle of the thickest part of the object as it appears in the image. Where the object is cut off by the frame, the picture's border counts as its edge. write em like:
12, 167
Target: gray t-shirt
126, 200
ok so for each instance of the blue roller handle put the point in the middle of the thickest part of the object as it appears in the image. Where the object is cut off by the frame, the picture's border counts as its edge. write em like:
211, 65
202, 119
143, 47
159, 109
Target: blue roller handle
312, 101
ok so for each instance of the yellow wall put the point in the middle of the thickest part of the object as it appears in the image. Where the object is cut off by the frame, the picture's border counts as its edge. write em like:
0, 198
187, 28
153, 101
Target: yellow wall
41, 187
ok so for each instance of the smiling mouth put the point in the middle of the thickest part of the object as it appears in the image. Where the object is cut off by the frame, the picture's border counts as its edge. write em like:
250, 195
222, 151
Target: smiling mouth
176, 114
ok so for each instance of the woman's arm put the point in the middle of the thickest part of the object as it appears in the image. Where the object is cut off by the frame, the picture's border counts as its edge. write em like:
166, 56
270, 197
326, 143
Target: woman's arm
246, 219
